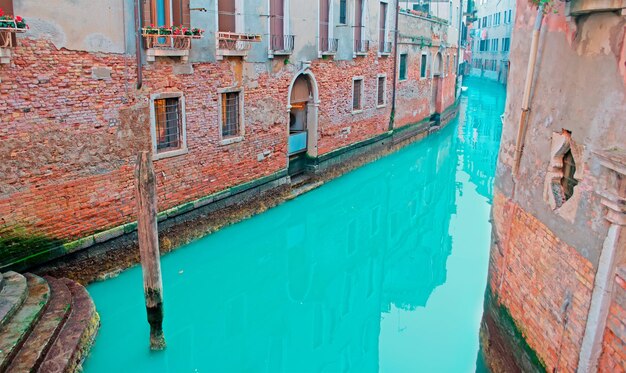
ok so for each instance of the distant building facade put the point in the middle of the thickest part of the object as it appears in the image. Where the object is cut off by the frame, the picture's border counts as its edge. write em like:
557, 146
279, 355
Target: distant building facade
492, 39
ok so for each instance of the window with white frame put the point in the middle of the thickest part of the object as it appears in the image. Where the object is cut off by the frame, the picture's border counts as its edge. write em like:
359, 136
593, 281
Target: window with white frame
357, 94
167, 124
231, 115
381, 96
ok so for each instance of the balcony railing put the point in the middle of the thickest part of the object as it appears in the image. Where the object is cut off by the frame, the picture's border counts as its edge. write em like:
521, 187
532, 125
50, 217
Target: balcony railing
281, 44
329, 46
235, 43
182, 42
9, 26
361, 46
169, 42
385, 47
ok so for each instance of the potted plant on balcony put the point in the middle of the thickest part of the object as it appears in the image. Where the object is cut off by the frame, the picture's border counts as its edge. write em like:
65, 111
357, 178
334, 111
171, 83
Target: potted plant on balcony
9, 25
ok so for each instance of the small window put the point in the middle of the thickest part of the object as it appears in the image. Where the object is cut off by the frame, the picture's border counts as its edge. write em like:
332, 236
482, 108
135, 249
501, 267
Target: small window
382, 91
357, 94
568, 182
168, 124
231, 115
403, 58
423, 66
343, 11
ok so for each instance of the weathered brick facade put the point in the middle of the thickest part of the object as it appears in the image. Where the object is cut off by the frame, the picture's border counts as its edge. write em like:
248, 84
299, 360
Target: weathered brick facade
555, 257
72, 123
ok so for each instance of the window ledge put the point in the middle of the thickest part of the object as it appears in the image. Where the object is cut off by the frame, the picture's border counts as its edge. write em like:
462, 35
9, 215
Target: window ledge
221, 53
381, 106
357, 111
153, 53
384, 54
170, 153
231, 140
280, 53
360, 54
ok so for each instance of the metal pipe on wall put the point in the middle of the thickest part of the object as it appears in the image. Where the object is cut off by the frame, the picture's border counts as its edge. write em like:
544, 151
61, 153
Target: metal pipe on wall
395, 69
138, 43
530, 72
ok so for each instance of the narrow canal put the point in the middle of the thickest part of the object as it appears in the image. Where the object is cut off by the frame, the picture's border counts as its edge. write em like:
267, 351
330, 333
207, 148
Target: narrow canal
383, 269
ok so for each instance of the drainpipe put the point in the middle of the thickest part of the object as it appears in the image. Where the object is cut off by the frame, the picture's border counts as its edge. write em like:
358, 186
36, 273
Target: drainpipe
458, 50
530, 72
138, 44
395, 70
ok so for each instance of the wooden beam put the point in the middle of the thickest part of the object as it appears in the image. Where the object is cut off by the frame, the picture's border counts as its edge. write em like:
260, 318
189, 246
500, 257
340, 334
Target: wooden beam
149, 247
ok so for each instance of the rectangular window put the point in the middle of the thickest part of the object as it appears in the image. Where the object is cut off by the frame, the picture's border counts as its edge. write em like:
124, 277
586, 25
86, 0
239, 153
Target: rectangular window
423, 66
382, 91
403, 66
357, 94
484, 21
227, 16
231, 116
506, 44
277, 25
343, 12
168, 123
382, 37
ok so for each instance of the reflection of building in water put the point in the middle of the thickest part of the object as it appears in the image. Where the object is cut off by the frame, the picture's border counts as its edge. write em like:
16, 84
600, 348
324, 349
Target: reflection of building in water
480, 135
378, 238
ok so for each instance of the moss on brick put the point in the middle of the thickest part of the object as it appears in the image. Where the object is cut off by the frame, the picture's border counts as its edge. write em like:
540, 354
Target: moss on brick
20, 246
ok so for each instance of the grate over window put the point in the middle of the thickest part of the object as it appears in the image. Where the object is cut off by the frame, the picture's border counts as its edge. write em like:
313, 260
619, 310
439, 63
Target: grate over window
381, 90
357, 94
568, 182
230, 114
168, 124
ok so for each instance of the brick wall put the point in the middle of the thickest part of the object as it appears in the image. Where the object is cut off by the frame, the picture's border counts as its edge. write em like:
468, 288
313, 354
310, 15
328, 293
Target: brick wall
414, 95
613, 358
68, 141
544, 283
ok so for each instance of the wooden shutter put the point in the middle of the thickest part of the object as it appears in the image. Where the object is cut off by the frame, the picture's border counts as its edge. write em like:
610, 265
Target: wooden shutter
324, 24
358, 20
181, 14
146, 13
7, 7
226, 16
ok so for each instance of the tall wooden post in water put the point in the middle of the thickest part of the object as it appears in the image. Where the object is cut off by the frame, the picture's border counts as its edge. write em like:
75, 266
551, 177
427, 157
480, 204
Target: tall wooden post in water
149, 247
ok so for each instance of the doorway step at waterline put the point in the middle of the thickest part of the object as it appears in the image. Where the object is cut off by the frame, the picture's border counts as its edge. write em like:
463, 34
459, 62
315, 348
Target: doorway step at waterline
46, 324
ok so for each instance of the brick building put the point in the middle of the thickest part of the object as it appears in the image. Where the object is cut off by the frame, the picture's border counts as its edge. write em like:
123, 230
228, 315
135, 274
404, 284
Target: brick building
266, 92
557, 269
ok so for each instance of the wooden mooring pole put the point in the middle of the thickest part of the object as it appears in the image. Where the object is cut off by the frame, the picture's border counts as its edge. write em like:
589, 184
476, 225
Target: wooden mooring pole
149, 247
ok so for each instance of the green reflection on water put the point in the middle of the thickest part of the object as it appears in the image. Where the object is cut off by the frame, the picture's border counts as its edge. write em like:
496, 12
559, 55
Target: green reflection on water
383, 269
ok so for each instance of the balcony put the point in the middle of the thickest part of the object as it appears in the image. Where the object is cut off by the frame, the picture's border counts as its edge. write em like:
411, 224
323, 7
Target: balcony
361, 47
235, 44
328, 46
281, 45
9, 26
169, 42
385, 48
297, 142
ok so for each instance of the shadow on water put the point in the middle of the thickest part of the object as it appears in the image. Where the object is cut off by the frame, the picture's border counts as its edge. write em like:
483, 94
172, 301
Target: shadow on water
383, 269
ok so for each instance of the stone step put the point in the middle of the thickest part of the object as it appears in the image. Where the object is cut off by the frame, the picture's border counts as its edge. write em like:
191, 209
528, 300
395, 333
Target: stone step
76, 337
17, 329
12, 295
32, 352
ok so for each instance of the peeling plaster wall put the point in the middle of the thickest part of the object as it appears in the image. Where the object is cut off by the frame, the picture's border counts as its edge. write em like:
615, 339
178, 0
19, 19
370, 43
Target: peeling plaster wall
85, 25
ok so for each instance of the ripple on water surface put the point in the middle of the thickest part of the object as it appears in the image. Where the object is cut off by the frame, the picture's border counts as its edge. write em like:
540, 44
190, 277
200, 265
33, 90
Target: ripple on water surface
381, 269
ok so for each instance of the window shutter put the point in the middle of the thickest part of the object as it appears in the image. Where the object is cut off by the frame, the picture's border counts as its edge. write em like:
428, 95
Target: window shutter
7, 7
146, 13
181, 13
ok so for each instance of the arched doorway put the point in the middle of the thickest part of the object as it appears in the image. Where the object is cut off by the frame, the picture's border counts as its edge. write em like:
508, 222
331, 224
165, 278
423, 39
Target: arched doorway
303, 104
437, 78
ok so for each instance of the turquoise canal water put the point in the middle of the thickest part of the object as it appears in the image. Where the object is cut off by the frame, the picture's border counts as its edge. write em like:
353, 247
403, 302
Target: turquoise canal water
383, 269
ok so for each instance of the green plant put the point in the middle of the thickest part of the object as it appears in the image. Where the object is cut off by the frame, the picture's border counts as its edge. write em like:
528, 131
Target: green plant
548, 5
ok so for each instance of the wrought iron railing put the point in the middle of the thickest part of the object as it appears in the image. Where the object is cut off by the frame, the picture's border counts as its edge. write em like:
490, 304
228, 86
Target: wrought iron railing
361, 46
385, 47
235, 41
282, 43
329, 45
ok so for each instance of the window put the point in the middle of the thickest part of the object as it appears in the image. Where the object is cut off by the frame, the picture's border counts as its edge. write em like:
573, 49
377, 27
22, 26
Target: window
494, 45
506, 44
484, 21
227, 16
278, 40
423, 66
447, 67
382, 91
568, 182
382, 36
231, 115
403, 58
357, 94
343, 12
167, 114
